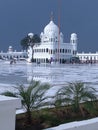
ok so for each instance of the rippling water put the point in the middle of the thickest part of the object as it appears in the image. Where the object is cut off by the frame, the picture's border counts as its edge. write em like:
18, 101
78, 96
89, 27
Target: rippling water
22, 73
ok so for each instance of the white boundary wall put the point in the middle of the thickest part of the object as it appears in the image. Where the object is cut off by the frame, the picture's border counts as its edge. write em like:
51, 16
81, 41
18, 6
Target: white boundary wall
8, 107
91, 124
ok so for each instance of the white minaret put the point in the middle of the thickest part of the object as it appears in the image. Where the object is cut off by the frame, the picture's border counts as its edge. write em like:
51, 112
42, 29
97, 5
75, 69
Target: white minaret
30, 49
30, 54
74, 41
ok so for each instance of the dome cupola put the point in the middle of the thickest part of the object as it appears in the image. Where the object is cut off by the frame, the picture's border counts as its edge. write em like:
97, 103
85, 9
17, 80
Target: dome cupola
10, 49
73, 36
51, 28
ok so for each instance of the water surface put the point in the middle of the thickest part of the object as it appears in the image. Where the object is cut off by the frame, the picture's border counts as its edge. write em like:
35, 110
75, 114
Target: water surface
23, 73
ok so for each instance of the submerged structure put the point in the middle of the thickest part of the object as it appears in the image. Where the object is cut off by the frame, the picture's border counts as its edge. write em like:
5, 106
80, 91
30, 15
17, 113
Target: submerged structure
52, 47
13, 54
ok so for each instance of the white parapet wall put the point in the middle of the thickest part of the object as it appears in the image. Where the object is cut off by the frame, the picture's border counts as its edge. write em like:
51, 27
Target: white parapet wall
8, 107
91, 124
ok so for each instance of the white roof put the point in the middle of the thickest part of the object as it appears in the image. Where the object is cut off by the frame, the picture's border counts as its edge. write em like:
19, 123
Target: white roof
51, 28
10, 101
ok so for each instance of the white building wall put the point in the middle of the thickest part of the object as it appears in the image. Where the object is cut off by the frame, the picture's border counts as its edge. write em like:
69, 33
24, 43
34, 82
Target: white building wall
88, 56
53, 41
8, 107
91, 124
7, 55
7, 118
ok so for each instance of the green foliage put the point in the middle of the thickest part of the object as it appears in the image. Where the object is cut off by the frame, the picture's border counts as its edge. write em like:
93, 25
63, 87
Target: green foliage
81, 97
91, 107
26, 41
76, 93
10, 94
32, 97
36, 39
47, 118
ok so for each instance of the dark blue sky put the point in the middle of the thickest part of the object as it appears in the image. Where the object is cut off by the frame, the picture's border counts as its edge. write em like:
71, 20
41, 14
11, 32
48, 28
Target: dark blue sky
19, 17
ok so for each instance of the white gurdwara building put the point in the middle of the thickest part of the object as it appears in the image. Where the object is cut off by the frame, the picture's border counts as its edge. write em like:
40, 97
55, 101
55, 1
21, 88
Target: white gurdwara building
52, 47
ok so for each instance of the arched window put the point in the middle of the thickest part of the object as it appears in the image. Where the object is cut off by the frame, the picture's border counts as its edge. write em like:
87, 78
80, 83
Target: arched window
63, 50
46, 49
51, 51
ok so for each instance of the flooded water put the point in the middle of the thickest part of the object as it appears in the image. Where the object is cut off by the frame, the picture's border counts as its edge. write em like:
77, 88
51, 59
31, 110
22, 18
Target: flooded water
23, 73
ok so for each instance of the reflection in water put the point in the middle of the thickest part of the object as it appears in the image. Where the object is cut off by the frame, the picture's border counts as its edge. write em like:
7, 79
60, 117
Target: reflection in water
10, 75
29, 73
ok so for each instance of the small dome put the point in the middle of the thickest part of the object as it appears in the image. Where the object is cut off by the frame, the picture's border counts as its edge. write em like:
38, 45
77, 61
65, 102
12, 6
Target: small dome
51, 28
10, 47
73, 36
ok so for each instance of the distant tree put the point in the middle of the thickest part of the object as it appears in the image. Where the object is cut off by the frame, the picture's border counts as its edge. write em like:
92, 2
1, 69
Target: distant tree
30, 41
36, 39
24, 43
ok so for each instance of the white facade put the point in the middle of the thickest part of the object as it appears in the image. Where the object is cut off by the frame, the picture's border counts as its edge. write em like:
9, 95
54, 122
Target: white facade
52, 48
91, 124
88, 57
10, 54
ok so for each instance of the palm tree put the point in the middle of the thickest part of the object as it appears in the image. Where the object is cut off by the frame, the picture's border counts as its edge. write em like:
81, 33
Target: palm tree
76, 93
32, 97
24, 43
30, 40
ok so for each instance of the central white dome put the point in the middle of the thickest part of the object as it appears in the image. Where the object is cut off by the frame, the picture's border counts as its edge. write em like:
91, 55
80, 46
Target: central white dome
51, 28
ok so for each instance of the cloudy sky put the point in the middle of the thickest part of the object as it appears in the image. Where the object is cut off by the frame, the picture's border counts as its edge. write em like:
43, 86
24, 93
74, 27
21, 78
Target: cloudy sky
19, 17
